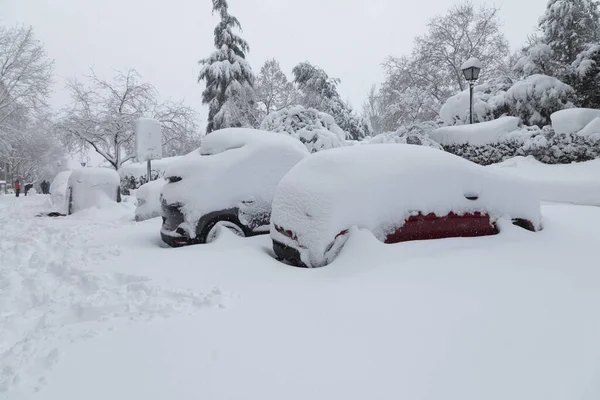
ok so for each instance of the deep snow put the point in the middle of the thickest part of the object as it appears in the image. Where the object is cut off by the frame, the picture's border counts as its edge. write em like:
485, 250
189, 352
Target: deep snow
93, 307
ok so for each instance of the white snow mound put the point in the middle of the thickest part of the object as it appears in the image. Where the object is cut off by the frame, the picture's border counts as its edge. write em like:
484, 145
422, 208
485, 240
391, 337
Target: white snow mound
378, 186
573, 119
480, 134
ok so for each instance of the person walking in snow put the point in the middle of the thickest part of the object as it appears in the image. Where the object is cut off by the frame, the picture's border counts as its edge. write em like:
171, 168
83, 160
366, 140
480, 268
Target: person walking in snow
17, 186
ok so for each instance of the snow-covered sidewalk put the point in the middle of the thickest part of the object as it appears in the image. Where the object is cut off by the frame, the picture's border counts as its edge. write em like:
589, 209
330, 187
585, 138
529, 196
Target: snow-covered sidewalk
50, 294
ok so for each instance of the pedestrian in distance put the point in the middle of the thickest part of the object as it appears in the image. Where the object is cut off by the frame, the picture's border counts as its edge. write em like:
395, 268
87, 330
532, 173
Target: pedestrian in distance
17, 186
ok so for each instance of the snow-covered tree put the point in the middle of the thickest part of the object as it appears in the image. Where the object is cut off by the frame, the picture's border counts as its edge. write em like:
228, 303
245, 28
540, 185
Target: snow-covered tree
569, 26
317, 130
229, 80
25, 71
317, 90
416, 86
539, 58
102, 115
535, 98
273, 90
586, 80
372, 110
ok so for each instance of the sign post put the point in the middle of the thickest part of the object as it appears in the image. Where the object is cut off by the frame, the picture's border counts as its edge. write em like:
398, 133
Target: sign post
148, 142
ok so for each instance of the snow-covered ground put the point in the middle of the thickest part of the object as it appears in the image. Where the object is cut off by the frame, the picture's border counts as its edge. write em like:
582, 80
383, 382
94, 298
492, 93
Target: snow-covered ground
576, 183
93, 306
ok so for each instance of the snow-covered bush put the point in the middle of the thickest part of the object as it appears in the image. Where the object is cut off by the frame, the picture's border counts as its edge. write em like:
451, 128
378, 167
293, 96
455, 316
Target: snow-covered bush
148, 200
488, 103
536, 97
413, 134
316, 130
544, 145
133, 175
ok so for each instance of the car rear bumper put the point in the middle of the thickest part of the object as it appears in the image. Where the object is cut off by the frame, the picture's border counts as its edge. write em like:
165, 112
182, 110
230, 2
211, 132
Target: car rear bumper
174, 240
288, 254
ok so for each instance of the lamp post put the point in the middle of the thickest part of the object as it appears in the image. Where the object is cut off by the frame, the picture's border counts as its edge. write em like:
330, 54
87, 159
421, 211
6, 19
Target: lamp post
471, 69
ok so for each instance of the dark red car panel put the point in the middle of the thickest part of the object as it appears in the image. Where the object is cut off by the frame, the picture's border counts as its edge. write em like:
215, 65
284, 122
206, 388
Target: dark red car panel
430, 226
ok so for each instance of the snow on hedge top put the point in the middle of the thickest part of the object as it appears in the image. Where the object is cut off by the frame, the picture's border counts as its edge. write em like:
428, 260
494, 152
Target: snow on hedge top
573, 119
591, 130
231, 166
317, 130
378, 186
471, 62
480, 134
140, 169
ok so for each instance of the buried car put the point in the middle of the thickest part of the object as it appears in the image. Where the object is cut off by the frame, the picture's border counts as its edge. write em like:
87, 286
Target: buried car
399, 192
227, 183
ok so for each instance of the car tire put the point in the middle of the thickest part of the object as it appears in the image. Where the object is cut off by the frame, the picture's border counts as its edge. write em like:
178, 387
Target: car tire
211, 230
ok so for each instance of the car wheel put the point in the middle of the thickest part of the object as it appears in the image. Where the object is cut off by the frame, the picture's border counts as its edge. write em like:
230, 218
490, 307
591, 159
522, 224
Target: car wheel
214, 228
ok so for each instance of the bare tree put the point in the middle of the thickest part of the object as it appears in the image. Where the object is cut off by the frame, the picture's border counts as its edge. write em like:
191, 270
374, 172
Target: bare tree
103, 115
273, 90
372, 109
25, 71
417, 85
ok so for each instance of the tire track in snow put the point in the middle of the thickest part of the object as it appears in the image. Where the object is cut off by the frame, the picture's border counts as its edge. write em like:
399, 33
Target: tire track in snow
49, 299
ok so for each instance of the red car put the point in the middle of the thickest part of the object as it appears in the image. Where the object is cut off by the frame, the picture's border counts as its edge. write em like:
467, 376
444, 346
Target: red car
399, 192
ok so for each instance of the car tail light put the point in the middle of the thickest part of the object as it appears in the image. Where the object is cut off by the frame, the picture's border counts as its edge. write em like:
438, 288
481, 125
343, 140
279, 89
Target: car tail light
341, 233
286, 232
180, 241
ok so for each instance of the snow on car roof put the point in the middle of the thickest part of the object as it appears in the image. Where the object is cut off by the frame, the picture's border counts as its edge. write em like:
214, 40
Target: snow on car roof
378, 186
232, 165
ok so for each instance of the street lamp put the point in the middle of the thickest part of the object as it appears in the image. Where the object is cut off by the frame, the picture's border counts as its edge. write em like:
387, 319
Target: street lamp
471, 70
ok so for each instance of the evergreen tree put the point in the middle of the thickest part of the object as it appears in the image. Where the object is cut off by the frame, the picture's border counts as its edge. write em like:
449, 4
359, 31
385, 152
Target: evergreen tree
586, 81
568, 26
228, 76
319, 91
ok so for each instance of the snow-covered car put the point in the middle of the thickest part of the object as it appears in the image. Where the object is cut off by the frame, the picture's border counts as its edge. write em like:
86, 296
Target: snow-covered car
399, 192
148, 200
228, 182
58, 192
92, 187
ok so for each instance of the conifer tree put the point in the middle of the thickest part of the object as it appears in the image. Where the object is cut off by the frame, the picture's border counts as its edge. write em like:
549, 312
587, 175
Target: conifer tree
229, 79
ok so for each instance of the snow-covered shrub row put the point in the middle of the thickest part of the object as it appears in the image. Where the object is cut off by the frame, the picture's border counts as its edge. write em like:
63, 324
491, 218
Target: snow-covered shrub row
413, 134
533, 100
316, 130
133, 175
544, 144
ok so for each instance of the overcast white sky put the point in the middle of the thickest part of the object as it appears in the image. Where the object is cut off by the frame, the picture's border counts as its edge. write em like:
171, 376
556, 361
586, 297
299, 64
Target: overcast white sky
164, 39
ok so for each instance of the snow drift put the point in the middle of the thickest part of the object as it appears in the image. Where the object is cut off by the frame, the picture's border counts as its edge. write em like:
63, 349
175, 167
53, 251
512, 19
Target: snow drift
573, 120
